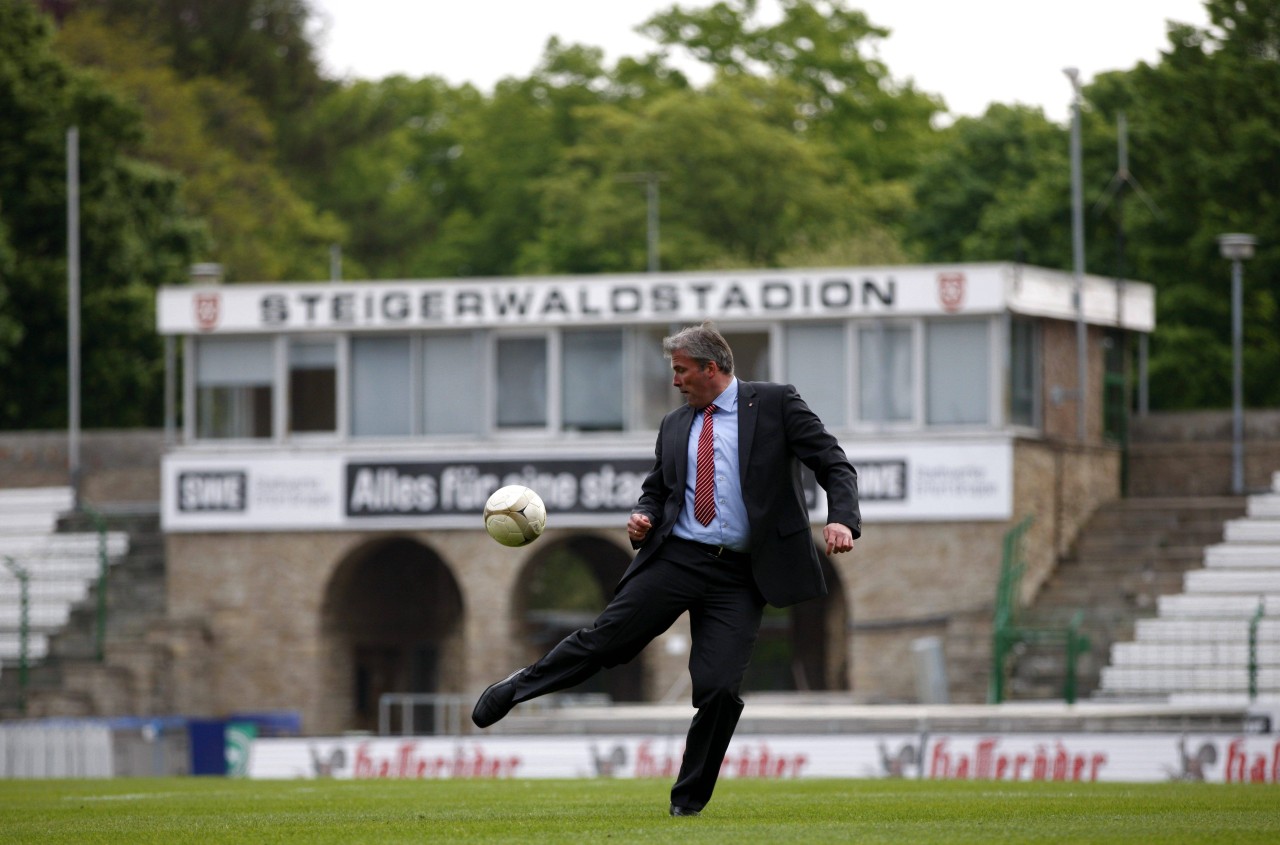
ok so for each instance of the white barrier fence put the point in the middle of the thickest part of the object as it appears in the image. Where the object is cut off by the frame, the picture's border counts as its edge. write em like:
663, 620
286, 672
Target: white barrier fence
63, 751
1078, 757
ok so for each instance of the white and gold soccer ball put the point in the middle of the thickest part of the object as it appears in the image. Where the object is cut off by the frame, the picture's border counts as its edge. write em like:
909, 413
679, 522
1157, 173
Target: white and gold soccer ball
515, 515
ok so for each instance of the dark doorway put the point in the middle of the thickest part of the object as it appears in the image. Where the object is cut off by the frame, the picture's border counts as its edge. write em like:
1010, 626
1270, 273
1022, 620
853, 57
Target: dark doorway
563, 589
803, 648
392, 616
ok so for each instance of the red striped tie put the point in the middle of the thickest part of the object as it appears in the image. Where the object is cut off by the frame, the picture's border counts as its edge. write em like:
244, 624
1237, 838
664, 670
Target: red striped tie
704, 488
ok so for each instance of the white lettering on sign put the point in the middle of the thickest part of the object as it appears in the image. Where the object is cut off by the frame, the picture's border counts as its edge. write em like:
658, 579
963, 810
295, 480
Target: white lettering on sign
882, 480
211, 491
385, 490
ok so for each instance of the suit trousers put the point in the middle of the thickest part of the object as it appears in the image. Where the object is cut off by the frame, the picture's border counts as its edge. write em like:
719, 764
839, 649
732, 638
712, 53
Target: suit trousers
724, 608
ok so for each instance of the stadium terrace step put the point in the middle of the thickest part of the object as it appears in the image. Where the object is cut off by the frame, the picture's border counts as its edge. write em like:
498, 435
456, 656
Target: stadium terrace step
1222, 654
11, 646
1246, 581
1264, 506
1232, 556
27, 509
1127, 679
82, 566
45, 590
67, 677
30, 549
41, 617
1190, 631
1244, 531
1214, 606
1129, 554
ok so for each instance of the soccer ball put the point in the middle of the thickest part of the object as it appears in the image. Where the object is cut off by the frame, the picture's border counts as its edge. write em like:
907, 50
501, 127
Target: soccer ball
515, 515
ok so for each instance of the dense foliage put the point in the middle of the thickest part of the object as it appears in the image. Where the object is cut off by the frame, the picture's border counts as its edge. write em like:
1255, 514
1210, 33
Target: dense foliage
209, 132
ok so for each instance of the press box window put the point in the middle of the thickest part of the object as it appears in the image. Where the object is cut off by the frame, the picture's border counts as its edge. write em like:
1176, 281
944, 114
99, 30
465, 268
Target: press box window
313, 382
592, 380
957, 364
750, 354
886, 374
452, 401
522, 382
381, 387
1024, 367
657, 396
818, 366
234, 388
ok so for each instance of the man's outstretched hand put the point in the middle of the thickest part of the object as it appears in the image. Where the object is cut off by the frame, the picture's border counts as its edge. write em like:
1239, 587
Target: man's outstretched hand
839, 538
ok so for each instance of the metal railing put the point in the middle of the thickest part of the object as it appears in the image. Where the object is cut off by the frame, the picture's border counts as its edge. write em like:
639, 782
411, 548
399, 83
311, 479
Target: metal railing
24, 628
421, 713
1008, 634
1254, 623
100, 618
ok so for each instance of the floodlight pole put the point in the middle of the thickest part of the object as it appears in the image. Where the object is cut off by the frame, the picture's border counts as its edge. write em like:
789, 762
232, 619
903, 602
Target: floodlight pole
1236, 248
1077, 255
73, 312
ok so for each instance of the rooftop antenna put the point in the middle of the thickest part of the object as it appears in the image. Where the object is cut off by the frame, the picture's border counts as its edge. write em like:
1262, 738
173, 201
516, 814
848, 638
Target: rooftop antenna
1115, 191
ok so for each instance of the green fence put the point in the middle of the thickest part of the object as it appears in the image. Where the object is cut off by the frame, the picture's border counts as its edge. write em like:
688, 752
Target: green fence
1008, 633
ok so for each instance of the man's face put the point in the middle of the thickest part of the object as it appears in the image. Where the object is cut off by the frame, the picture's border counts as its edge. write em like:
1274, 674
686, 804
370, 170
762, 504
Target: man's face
698, 384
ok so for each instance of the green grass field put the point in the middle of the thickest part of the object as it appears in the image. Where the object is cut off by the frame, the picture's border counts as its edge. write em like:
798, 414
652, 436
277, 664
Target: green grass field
208, 810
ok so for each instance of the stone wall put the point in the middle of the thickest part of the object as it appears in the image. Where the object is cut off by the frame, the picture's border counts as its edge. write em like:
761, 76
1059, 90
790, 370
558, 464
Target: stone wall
907, 580
1188, 453
115, 466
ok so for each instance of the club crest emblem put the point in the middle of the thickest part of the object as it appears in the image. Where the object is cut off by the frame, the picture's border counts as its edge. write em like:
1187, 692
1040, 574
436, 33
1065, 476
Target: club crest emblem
951, 291
208, 306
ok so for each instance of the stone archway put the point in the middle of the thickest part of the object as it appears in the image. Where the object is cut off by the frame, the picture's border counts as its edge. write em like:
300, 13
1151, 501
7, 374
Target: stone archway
563, 588
804, 648
391, 621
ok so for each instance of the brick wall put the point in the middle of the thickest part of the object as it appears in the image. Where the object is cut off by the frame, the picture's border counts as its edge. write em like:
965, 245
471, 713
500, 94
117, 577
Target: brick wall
1188, 453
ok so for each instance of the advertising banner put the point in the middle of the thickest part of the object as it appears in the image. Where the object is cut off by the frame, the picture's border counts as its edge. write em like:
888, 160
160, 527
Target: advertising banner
1087, 757
909, 481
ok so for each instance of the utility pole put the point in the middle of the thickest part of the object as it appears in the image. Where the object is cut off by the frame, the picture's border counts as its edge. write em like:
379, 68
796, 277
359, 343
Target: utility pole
650, 179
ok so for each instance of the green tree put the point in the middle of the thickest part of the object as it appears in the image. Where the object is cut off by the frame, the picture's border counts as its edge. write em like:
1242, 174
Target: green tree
261, 46
222, 143
383, 156
1205, 143
135, 236
843, 94
996, 188
734, 188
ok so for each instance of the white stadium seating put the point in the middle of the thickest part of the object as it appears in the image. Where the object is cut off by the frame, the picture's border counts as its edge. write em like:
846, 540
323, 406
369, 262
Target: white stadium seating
1199, 643
59, 566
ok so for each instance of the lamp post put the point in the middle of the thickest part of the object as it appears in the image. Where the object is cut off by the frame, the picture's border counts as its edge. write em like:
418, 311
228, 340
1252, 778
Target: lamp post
1077, 256
1236, 247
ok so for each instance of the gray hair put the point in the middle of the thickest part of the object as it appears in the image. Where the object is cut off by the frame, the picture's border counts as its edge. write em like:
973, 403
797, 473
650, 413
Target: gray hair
703, 344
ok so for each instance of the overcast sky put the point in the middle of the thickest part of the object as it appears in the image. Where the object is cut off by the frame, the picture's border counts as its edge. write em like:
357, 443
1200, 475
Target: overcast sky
972, 52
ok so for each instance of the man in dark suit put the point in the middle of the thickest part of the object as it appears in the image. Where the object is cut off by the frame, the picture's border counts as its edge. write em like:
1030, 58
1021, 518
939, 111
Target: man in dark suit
721, 527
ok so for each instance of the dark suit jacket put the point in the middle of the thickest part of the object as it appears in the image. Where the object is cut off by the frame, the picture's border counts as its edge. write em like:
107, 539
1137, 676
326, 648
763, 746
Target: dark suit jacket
776, 433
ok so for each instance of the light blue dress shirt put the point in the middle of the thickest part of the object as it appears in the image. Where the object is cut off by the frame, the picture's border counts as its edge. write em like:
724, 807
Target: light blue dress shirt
730, 527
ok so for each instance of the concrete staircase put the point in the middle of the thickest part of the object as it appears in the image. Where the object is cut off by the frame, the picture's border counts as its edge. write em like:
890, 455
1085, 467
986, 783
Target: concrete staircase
68, 679
1196, 648
1132, 553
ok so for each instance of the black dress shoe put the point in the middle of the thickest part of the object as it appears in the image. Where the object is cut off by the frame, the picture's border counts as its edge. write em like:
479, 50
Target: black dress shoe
677, 810
496, 701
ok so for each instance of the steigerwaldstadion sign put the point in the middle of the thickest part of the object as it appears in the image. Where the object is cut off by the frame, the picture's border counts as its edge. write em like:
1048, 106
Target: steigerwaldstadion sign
920, 290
